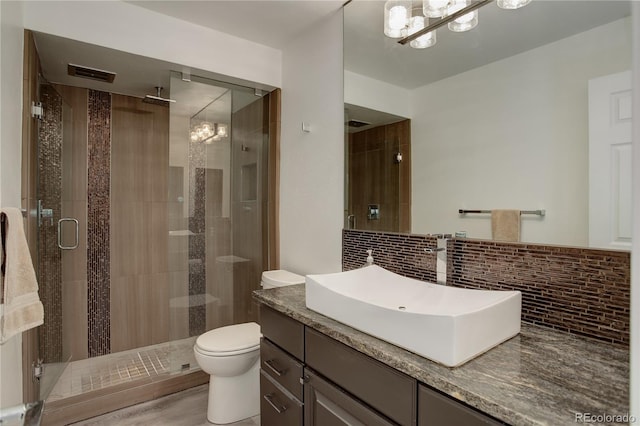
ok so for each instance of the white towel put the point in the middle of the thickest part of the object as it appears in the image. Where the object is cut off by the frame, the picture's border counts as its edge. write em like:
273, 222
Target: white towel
22, 308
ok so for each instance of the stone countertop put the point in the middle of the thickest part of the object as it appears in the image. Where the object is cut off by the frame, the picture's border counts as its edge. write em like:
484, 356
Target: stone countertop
539, 377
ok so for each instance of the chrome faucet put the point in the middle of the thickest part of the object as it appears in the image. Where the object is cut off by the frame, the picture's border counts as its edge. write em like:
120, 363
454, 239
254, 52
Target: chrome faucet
441, 260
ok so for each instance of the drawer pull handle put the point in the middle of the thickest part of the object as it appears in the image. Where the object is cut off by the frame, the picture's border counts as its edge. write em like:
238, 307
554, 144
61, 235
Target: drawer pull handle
279, 409
269, 363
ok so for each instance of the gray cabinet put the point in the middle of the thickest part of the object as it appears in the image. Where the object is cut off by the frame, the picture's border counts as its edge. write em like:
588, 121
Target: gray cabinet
436, 409
285, 332
390, 392
309, 379
328, 405
277, 406
281, 369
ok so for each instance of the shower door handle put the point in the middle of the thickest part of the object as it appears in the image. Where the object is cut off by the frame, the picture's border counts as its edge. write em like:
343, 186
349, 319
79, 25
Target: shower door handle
76, 240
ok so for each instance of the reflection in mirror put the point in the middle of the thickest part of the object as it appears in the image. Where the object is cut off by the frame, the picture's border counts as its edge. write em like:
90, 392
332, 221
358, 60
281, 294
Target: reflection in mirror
515, 114
378, 171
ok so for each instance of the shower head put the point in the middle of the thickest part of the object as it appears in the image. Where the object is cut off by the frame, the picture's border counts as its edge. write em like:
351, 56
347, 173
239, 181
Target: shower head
157, 99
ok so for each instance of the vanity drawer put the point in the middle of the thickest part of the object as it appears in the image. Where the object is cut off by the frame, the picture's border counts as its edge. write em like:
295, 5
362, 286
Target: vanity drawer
277, 408
282, 368
436, 409
389, 391
326, 404
283, 331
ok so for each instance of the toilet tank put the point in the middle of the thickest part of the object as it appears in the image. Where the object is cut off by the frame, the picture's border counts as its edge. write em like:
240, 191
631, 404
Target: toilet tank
280, 278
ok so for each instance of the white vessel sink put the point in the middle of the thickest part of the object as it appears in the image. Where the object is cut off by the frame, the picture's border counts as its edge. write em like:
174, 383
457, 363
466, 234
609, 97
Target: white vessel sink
448, 325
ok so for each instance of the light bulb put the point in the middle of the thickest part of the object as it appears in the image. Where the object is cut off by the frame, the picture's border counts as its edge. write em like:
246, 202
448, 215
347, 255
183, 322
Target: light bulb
435, 8
467, 21
194, 136
222, 130
396, 17
200, 132
512, 4
429, 39
206, 129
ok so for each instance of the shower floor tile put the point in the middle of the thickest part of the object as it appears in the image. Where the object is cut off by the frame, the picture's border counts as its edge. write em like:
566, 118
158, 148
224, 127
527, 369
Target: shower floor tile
101, 372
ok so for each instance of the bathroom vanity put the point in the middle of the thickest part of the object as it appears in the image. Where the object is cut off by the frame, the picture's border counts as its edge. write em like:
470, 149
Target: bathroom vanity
316, 371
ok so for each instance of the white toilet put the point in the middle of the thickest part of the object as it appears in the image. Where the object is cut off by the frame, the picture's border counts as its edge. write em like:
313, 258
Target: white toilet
231, 355
280, 278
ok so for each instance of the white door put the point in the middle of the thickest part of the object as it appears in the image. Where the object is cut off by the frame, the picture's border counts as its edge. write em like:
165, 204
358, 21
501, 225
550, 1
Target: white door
610, 161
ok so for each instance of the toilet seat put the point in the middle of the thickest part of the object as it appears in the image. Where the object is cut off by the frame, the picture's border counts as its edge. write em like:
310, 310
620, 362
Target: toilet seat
228, 353
230, 340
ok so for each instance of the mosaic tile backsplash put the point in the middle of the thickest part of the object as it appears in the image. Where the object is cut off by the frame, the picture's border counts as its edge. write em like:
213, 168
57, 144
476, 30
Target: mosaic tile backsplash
578, 290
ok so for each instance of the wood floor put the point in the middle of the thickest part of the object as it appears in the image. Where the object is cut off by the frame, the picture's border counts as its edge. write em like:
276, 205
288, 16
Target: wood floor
186, 408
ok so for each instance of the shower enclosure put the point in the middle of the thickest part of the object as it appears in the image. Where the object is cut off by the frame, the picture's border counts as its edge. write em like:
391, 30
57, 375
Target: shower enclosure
152, 229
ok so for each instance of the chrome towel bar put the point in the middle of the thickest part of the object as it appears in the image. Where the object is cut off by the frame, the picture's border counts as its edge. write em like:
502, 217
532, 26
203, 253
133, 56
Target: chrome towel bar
536, 212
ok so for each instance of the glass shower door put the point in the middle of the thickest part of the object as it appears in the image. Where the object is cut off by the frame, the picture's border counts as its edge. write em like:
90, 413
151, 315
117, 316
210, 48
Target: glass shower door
58, 235
217, 196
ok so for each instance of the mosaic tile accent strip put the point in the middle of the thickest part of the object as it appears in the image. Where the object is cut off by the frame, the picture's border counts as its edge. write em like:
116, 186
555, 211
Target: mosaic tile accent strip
98, 249
197, 255
400, 253
50, 191
577, 290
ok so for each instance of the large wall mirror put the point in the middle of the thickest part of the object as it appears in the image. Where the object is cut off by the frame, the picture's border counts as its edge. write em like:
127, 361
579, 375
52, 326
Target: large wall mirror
529, 111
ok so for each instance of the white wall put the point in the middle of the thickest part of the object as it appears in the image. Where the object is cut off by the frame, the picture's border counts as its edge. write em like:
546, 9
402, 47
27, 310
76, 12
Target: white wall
513, 134
123, 26
375, 94
11, 45
312, 164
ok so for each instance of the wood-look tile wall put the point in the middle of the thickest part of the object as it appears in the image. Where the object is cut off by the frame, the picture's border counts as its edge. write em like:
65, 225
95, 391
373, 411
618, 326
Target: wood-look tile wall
376, 178
249, 163
139, 222
578, 290
271, 244
74, 204
115, 289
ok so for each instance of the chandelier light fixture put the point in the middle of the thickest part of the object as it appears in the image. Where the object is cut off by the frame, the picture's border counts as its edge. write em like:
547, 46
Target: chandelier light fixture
207, 133
403, 21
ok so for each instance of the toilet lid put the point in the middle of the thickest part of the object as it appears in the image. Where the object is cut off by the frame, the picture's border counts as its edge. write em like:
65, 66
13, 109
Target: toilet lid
280, 277
230, 338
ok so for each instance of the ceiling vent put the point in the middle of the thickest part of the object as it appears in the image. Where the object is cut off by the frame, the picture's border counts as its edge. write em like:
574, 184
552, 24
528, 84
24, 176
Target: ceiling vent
91, 73
357, 123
